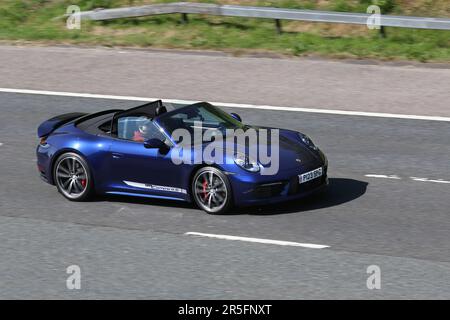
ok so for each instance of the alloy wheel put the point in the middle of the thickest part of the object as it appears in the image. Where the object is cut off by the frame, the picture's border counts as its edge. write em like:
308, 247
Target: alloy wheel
210, 191
71, 177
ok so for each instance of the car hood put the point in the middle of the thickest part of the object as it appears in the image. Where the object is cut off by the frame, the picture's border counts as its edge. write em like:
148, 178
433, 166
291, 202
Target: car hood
293, 153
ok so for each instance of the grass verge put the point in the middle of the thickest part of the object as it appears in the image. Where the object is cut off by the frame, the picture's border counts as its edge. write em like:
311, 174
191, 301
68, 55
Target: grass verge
34, 20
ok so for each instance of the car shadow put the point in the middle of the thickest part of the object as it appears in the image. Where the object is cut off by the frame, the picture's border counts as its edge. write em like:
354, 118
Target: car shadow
144, 201
340, 190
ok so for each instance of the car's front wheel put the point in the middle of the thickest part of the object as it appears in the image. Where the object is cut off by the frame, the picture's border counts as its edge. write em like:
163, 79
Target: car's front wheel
212, 190
72, 177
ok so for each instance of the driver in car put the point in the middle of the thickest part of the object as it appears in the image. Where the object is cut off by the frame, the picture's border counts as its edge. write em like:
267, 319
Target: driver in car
142, 134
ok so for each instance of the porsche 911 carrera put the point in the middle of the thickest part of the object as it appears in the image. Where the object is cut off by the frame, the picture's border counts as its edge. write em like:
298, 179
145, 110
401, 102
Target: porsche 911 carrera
134, 152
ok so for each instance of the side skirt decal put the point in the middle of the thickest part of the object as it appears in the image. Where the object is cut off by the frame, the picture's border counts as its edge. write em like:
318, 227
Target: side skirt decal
155, 187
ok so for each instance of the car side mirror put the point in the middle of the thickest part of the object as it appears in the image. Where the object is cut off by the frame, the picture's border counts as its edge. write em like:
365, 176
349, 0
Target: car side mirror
154, 144
236, 116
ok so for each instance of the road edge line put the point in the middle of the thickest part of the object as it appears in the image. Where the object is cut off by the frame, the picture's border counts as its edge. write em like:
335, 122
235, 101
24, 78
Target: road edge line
229, 105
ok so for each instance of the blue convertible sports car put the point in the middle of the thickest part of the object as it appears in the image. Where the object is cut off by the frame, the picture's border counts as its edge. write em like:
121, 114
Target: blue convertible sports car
136, 152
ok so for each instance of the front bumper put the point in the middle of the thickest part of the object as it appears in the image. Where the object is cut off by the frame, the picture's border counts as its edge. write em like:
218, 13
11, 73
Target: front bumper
282, 187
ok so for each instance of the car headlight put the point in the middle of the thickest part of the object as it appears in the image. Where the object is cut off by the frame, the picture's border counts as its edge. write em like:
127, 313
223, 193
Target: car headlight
246, 163
307, 140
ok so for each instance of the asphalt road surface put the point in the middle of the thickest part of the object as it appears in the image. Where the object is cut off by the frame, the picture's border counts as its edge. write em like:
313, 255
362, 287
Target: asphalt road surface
308, 83
396, 218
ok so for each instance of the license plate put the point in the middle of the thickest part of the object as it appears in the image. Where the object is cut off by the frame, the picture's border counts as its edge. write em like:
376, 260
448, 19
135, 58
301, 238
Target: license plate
302, 178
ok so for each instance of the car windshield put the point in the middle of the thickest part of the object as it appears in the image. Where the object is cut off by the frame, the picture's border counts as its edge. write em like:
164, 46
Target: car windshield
200, 115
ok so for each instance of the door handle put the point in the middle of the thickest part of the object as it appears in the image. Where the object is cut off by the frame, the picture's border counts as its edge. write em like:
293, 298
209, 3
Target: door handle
117, 155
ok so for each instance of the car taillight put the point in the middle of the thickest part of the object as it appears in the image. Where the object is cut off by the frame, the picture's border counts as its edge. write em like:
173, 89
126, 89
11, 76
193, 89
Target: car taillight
43, 142
40, 168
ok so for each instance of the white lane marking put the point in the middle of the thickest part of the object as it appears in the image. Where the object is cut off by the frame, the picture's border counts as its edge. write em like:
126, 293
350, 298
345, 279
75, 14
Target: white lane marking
383, 176
229, 105
429, 180
395, 177
257, 240
1, 144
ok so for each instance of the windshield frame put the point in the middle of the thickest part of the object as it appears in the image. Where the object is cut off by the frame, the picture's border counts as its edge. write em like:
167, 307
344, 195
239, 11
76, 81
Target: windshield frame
217, 111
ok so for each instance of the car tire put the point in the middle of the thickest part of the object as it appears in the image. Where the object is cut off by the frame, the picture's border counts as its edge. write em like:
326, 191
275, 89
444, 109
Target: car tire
211, 190
73, 177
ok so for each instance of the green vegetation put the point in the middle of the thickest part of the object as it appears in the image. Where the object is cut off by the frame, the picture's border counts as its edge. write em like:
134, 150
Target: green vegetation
35, 21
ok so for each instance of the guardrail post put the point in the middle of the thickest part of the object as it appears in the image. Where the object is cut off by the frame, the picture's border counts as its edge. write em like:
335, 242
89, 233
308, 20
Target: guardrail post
382, 32
278, 26
184, 18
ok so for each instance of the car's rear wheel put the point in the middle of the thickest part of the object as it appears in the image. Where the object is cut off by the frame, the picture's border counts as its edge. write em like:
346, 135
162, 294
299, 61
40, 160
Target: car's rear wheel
72, 177
212, 190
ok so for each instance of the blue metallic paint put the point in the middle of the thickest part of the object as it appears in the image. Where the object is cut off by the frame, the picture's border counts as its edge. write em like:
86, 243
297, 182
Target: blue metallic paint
112, 160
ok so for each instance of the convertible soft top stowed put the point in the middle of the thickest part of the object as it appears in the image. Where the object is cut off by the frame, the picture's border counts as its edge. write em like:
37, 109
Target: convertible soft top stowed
54, 123
150, 109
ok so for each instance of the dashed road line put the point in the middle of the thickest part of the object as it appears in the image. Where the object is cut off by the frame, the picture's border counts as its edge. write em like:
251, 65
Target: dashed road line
383, 176
429, 180
395, 177
258, 240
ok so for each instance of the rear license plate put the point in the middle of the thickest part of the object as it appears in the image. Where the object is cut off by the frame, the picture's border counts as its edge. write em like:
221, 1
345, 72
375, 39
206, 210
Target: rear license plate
302, 178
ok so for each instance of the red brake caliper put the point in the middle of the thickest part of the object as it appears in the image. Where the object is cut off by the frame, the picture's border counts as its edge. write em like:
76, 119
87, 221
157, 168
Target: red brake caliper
83, 182
204, 185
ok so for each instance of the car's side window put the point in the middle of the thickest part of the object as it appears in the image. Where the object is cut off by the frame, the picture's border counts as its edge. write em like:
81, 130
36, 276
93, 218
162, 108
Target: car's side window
138, 128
